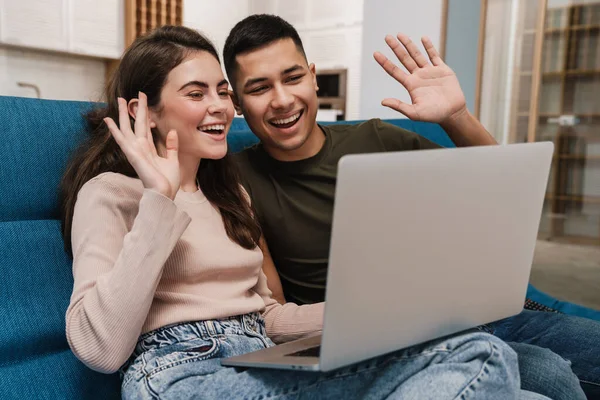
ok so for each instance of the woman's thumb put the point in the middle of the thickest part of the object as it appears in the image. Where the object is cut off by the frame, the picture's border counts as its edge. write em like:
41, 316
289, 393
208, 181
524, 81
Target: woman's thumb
172, 144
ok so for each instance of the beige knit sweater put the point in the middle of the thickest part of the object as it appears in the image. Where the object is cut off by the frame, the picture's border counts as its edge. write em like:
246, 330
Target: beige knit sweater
142, 261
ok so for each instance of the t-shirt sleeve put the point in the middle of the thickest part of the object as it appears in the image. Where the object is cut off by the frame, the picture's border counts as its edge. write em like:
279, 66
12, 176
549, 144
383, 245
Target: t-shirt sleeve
395, 138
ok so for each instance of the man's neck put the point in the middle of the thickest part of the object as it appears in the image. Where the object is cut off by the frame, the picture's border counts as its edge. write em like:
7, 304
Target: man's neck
310, 148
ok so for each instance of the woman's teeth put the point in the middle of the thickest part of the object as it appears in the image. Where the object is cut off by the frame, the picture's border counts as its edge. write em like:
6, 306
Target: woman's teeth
217, 128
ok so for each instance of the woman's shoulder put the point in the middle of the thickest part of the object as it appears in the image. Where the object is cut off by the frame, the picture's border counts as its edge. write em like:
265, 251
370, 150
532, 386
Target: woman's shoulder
112, 189
114, 182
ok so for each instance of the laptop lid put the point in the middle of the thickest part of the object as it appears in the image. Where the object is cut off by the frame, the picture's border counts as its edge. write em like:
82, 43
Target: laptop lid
428, 243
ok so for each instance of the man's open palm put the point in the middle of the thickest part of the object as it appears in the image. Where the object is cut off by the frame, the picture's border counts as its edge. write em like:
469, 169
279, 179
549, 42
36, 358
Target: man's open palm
433, 87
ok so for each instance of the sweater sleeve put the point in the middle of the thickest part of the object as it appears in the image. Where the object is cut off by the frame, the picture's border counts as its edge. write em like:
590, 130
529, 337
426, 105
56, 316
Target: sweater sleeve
116, 270
289, 321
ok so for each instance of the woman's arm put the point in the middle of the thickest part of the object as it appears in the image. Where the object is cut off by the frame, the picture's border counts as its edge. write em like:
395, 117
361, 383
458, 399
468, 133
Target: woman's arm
121, 243
116, 270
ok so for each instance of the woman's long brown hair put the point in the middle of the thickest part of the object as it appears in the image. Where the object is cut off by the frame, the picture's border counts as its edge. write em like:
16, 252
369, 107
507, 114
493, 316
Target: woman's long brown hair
144, 67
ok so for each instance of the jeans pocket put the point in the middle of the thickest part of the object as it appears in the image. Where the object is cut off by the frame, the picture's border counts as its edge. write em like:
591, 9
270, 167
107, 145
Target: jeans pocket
181, 353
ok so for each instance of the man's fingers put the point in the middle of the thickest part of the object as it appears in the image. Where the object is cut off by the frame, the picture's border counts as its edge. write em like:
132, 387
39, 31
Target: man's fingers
401, 107
401, 53
172, 144
432, 52
392, 69
418, 57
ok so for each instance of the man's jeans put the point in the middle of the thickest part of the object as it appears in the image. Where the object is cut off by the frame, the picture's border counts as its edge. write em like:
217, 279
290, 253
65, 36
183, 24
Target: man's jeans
182, 362
575, 340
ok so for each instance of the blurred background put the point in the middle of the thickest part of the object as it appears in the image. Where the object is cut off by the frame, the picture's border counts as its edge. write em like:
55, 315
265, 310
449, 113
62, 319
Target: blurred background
530, 70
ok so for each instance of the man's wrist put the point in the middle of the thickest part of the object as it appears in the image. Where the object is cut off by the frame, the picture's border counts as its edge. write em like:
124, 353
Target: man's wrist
457, 120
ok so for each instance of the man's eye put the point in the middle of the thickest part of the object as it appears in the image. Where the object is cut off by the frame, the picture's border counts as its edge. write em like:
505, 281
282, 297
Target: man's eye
258, 89
295, 78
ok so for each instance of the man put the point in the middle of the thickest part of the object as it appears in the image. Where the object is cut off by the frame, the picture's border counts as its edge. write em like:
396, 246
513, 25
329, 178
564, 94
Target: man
291, 179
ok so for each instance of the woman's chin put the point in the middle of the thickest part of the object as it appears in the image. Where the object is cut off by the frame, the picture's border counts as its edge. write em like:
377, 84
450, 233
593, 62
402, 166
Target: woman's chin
215, 154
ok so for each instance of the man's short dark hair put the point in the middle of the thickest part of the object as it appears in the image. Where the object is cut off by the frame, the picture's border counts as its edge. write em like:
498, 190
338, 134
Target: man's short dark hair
254, 32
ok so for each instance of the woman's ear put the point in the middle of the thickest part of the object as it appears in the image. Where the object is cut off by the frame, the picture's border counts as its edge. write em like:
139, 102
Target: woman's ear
132, 108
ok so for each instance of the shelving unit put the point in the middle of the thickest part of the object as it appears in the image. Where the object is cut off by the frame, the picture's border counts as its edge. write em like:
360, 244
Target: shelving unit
557, 86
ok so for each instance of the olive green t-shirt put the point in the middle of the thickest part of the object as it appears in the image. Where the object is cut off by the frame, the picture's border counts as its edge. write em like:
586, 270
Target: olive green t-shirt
294, 200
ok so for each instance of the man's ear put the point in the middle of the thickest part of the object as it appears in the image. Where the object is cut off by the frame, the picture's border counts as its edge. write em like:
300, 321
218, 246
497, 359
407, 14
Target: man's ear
313, 71
236, 102
132, 108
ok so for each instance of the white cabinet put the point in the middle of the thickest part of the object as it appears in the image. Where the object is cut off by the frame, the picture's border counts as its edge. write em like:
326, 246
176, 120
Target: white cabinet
88, 27
57, 76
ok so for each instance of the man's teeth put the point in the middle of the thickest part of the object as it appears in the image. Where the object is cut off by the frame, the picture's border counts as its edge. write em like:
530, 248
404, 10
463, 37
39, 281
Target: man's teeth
217, 127
287, 120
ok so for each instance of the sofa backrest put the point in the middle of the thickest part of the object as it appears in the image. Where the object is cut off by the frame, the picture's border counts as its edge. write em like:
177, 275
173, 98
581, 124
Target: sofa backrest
35, 273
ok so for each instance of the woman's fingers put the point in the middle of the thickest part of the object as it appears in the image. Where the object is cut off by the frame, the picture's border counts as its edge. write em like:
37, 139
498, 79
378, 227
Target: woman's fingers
116, 132
141, 116
124, 124
172, 144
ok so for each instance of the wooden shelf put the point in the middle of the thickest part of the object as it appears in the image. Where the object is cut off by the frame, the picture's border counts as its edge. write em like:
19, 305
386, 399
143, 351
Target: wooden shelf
560, 38
554, 74
576, 157
574, 198
555, 30
582, 72
584, 27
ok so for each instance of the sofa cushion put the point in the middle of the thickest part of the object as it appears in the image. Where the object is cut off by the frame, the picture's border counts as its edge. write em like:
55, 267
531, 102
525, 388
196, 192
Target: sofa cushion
37, 137
35, 287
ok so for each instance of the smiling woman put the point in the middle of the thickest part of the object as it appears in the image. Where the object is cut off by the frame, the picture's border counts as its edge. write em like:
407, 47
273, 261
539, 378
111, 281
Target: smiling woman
179, 72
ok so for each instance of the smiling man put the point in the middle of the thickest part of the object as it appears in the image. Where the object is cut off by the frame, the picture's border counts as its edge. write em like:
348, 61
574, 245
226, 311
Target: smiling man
291, 177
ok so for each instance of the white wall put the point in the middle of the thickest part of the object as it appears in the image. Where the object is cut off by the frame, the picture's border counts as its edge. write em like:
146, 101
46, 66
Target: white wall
498, 68
214, 18
462, 44
381, 17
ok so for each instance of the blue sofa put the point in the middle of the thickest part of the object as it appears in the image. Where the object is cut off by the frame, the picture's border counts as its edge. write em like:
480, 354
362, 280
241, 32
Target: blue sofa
35, 272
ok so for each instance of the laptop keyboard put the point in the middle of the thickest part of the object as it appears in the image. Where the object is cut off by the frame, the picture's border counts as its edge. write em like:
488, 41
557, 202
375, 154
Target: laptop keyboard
310, 352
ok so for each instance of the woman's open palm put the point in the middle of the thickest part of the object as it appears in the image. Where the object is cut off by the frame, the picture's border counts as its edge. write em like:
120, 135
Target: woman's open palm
156, 172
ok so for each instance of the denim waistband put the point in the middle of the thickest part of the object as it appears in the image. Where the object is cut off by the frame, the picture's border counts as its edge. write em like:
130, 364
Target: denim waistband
247, 324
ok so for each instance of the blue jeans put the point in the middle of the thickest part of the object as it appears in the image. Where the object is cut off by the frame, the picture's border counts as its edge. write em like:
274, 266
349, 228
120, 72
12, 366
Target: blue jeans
183, 362
574, 341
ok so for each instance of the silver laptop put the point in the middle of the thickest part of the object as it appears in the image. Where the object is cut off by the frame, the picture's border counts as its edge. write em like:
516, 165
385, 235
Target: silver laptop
424, 244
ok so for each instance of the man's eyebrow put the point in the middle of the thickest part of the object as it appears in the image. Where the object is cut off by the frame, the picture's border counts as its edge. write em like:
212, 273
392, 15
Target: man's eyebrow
292, 69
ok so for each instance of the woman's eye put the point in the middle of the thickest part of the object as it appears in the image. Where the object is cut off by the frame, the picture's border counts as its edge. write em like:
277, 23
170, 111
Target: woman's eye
196, 95
224, 94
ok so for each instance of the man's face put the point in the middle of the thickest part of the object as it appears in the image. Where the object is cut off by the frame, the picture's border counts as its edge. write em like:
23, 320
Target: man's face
277, 92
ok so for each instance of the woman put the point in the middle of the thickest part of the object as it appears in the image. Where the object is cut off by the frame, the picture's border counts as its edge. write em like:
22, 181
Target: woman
166, 259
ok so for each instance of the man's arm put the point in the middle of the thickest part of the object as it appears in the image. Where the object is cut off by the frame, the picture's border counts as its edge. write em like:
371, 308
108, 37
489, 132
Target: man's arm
466, 130
434, 91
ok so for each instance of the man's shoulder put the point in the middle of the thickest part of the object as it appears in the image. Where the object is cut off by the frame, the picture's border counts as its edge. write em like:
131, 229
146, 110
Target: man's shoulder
249, 156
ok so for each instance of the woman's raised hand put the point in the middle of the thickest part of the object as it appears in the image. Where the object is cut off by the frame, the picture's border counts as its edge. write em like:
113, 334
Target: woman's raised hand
157, 172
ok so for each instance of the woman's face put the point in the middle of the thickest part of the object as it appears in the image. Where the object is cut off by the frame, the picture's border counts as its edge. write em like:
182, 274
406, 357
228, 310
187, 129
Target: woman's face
196, 103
